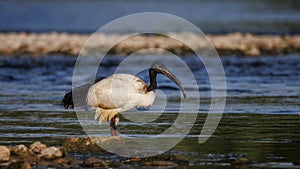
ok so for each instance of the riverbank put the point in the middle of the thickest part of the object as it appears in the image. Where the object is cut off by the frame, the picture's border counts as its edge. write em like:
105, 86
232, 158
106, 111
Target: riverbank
240, 44
85, 153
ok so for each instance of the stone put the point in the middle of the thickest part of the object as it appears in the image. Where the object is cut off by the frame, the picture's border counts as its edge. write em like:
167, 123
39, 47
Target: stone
241, 161
95, 144
4, 154
51, 153
12, 164
37, 147
94, 163
161, 163
20, 150
26, 165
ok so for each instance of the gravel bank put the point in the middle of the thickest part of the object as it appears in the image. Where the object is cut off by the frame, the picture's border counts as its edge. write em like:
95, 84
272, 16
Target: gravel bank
85, 153
243, 44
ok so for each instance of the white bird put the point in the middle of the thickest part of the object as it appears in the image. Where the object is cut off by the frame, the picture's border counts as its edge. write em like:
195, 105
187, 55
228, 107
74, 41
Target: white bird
122, 92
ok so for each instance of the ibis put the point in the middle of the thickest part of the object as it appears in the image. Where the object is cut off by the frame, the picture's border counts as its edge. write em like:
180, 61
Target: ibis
118, 93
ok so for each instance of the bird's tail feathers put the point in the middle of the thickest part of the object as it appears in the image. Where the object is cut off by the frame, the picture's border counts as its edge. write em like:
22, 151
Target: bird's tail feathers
105, 115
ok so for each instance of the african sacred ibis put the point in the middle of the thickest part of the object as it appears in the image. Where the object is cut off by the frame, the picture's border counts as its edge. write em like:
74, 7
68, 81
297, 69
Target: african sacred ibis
121, 92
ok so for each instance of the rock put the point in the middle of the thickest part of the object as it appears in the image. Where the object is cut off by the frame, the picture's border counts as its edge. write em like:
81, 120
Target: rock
51, 153
12, 164
26, 165
241, 161
94, 144
94, 163
252, 51
20, 150
37, 147
161, 163
4, 154
67, 162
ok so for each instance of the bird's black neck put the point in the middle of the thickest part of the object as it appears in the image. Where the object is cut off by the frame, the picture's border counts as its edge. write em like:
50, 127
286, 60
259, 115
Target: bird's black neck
153, 84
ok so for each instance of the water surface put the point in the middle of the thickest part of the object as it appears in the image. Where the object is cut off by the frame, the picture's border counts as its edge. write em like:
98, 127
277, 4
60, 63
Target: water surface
261, 119
211, 16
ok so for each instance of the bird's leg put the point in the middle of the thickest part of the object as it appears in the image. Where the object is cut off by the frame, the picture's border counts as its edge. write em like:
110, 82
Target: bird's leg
113, 126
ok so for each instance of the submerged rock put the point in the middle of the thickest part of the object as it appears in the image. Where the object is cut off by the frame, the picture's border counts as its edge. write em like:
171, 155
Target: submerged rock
94, 163
67, 162
241, 161
162, 163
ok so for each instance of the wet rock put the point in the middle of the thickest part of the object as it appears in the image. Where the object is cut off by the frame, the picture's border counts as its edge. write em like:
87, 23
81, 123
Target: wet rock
20, 150
252, 51
241, 161
67, 162
37, 147
161, 163
47, 163
13, 163
95, 144
51, 153
296, 163
26, 165
4, 154
94, 163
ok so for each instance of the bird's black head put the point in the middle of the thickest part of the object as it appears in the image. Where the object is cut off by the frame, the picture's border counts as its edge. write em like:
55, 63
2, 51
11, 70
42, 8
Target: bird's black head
159, 68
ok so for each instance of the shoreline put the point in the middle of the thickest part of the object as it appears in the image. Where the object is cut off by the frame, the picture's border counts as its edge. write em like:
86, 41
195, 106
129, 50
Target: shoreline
39, 155
239, 44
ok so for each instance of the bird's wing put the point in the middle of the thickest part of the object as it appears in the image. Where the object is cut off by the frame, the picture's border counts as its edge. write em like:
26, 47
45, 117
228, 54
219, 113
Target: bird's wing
81, 92
109, 93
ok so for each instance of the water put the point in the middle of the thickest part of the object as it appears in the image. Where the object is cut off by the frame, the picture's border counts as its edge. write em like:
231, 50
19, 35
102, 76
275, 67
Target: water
213, 16
261, 120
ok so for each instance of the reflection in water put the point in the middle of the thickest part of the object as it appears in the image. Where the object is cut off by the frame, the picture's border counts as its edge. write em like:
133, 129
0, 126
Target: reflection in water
261, 119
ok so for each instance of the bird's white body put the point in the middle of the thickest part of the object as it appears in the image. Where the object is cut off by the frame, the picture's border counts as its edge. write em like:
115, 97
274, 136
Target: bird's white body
118, 93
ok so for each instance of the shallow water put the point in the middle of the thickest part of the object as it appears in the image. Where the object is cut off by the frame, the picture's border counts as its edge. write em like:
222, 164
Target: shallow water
261, 119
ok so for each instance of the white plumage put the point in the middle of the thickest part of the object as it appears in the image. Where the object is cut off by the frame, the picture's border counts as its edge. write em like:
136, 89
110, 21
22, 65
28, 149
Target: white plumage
118, 93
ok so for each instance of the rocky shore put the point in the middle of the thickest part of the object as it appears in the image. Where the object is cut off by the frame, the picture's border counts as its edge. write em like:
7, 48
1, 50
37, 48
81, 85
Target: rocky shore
85, 153
241, 44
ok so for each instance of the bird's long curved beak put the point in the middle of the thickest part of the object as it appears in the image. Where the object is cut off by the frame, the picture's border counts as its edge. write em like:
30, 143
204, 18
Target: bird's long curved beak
160, 68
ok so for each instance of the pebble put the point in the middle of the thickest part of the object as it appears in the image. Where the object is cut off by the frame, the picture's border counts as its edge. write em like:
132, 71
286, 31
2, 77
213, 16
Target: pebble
67, 162
37, 147
94, 163
161, 163
21, 150
4, 154
95, 144
241, 161
26, 165
51, 153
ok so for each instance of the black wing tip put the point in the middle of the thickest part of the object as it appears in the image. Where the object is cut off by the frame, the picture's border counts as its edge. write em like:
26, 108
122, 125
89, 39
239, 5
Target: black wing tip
68, 100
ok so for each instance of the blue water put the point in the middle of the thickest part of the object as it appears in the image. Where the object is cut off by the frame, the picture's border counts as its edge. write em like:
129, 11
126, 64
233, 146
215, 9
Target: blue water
211, 16
260, 121
256, 85
261, 118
